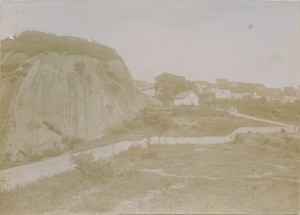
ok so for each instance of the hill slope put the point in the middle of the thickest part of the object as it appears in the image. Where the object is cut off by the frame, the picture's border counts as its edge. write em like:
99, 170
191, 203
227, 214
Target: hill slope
53, 88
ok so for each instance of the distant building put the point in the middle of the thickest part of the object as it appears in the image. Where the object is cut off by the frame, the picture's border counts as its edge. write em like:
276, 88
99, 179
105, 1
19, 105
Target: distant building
290, 95
236, 90
261, 93
146, 87
186, 98
223, 92
275, 95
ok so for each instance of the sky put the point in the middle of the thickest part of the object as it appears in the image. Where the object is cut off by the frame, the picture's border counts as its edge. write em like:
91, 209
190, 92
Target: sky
249, 41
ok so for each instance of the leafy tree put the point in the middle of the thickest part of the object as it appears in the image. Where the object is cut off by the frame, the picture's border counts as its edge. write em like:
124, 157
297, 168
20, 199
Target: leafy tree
154, 123
169, 85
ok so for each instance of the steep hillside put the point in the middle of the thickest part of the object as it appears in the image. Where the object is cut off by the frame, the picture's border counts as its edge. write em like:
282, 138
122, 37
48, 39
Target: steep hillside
54, 88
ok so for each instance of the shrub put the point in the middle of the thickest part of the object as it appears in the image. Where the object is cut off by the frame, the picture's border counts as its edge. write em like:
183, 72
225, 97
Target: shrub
92, 169
149, 153
9, 67
157, 123
34, 158
6, 197
70, 142
26, 65
128, 173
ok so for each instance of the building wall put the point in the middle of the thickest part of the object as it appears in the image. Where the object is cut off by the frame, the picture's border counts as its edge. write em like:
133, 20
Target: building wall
191, 99
236, 95
289, 99
222, 94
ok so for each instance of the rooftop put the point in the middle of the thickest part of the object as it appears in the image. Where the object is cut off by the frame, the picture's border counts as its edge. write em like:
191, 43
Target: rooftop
182, 95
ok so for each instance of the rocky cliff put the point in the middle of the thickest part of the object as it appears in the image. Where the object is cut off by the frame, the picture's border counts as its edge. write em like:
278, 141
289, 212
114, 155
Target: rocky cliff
53, 88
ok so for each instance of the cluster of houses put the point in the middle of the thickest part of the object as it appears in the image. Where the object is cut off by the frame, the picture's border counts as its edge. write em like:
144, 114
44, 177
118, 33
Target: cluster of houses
224, 89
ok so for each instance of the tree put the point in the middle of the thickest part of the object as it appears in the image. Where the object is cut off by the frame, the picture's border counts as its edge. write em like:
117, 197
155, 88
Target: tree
169, 85
155, 122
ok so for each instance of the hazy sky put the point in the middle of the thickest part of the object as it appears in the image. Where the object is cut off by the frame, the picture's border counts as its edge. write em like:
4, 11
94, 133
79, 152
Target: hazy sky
251, 41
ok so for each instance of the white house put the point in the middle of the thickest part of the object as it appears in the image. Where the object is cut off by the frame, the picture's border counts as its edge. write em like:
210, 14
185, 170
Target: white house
223, 92
186, 98
236, 95
290, 95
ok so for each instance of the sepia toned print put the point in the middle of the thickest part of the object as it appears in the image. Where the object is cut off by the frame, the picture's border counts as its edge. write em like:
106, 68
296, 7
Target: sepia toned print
149, 107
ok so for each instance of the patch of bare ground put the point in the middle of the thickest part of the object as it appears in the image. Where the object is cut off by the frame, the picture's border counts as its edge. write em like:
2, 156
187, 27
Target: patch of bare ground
241, 177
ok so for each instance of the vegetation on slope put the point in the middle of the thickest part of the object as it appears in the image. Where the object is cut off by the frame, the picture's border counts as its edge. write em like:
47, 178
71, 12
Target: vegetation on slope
33, 43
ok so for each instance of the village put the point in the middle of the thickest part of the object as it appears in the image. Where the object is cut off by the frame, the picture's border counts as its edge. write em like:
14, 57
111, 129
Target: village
225, 89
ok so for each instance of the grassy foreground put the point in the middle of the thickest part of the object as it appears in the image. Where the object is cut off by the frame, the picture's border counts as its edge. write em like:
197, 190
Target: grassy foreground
253, 174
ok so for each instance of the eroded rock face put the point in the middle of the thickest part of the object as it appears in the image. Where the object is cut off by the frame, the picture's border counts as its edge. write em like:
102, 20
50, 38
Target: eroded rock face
50, 96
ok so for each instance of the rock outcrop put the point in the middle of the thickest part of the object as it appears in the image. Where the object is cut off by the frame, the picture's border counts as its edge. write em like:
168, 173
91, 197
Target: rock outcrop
50, 93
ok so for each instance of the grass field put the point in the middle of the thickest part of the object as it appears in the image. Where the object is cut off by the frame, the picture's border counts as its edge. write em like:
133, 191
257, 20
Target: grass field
253, 174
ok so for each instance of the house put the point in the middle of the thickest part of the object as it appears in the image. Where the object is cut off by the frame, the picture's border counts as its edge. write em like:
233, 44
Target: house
261, 93
223, 92
275, 95
236, 93
186, 98
290, 95
146, 87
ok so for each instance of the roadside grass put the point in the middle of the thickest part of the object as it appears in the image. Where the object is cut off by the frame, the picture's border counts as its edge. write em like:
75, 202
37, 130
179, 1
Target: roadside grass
211, 126
228, 196
237, 177
287, 113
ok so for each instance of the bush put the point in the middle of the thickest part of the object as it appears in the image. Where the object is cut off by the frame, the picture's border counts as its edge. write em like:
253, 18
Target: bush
92, 169
149, 153
26, 65
6, 197
157, 123
70, 142
9, 67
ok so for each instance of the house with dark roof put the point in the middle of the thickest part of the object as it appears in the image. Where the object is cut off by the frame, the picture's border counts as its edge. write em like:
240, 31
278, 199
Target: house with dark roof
146, 87
223, 92
186, 98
